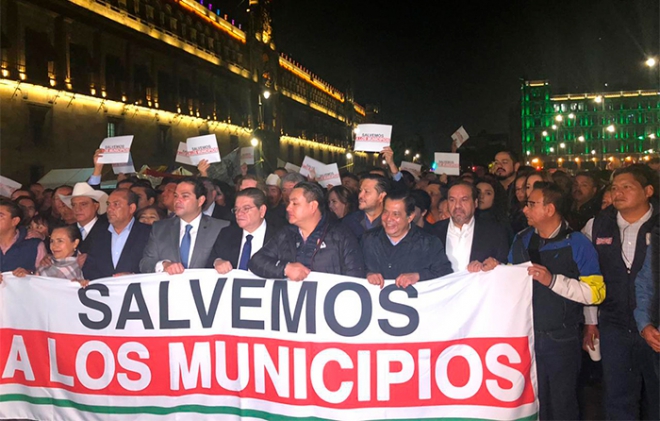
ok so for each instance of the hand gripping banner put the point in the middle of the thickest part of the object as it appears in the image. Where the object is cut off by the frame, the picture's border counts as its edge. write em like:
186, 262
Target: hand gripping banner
205, 346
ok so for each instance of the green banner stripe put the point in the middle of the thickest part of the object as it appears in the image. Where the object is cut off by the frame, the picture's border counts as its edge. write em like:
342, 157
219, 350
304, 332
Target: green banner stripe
200, 409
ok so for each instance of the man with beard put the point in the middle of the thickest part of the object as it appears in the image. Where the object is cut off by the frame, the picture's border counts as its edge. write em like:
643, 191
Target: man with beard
585, 203
470, 241
373, 189
505, 168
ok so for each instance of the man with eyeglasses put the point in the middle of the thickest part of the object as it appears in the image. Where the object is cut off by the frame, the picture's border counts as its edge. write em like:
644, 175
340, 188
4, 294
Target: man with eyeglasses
567, 277
238, 242
184, 241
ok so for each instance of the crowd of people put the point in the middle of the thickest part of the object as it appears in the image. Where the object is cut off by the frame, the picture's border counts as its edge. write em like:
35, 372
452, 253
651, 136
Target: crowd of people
591, 238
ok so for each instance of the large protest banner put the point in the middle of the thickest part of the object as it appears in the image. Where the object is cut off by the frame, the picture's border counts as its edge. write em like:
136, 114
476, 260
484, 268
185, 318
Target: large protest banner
203, 346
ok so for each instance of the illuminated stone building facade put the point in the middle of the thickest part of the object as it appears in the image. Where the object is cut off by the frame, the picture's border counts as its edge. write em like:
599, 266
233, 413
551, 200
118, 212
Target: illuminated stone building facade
76, 71
588, 129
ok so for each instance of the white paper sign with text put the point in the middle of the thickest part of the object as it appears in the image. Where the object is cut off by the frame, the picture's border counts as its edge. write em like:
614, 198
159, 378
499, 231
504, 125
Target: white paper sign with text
459, 137
203, 147
247, 155
372, 137
115, 150
447, 163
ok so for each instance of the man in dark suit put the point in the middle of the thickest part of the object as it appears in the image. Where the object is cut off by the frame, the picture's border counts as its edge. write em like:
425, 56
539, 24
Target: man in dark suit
469, 241
114, 250
184, 241
238, 242
89, 208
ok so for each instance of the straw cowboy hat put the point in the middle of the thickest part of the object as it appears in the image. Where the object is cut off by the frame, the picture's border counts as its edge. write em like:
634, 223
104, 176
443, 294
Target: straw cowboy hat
85, 190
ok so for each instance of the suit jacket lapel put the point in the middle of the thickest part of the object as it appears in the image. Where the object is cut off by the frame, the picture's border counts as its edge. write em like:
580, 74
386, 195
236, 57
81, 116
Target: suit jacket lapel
127, 250
174, 238
475, 235
200, 242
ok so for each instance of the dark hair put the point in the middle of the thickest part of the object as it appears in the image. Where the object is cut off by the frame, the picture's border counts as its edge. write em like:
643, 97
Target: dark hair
471, 186
29, 194
160, 211
563, 180
14, 210
408, 177
382, 183
313, 192
512, 155
18, 200
421, 198
257, 196
198, 186
525, 170
227, 191
403, 195
131, 196
642, 173
40, 219
148, 190
345, 196
589, 175
553, 195
72, 231
165, 181
500, 208
654, 160
351, 176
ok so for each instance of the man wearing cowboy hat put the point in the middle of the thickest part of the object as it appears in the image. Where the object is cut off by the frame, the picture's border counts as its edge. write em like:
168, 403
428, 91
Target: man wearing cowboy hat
89, 208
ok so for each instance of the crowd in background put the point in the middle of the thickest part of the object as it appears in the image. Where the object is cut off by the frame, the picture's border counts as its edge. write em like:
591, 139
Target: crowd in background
591, 237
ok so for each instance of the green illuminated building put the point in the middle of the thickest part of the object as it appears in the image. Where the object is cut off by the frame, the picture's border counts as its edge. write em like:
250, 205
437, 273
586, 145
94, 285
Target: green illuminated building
587, 128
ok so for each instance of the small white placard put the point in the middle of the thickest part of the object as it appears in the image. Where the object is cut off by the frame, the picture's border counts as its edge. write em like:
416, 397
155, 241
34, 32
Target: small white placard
125, 168
247, 155
8, 186
411, 167
447, 163
328, 175
309, 164
203, 147
372, 137
115, 150
460, 136
291, 168
182, 154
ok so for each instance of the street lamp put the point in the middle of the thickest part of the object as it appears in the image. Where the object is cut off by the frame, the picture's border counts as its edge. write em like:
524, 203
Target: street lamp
349, 155
651, 62
559, 118
611, 128
407, 152
254, 142
266, 94
581, 138
598, 99
562, 145
544, 133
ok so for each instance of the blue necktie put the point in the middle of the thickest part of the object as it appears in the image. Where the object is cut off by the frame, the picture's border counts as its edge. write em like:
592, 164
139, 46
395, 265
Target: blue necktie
185, 246
247, 251
82, 232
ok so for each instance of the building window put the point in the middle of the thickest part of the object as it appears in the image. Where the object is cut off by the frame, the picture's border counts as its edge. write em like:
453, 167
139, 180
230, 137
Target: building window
112, 129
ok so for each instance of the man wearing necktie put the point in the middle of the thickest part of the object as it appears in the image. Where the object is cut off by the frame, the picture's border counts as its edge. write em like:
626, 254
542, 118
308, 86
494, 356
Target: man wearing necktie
238, 242
184, 241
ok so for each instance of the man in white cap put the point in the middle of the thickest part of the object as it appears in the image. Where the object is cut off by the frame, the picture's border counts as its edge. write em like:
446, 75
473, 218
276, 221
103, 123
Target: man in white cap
89, 208
276, 206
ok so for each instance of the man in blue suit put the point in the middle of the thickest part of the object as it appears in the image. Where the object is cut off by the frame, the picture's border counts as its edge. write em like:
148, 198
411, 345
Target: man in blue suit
114, 250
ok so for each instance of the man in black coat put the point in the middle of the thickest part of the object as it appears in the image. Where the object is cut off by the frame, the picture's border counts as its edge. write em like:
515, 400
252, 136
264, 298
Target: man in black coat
118, 249
468, 240
399, 249
238, 242
311, 243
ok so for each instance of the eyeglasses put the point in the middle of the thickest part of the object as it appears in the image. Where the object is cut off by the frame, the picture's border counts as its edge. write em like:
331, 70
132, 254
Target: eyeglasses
244, 209
530, 204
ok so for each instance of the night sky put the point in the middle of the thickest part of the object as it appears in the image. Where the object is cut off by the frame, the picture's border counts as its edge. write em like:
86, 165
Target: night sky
434, 66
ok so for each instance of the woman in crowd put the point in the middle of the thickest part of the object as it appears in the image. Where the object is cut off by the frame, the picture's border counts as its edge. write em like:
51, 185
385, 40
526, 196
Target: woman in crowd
493, 203
341, 201
150, 214
64, 257
539, 176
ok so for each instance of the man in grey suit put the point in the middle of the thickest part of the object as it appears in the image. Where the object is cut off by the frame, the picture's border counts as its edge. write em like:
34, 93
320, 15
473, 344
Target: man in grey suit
186, 240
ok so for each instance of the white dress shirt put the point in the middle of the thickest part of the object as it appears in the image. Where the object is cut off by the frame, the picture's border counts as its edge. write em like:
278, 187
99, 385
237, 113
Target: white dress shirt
258, 237
87, 228
210, 210
459, 244
182, 231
